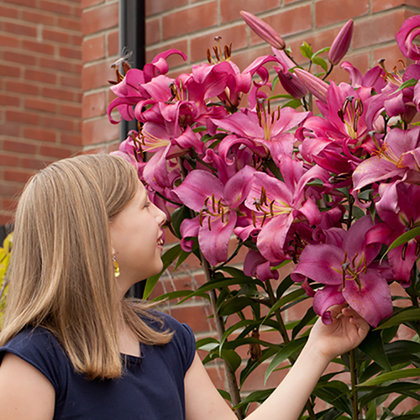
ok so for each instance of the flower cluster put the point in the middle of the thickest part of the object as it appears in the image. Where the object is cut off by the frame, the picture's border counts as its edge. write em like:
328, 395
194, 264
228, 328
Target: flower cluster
329, 191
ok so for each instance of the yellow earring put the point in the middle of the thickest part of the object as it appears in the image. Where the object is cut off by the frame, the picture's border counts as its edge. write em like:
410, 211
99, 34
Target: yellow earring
116, 267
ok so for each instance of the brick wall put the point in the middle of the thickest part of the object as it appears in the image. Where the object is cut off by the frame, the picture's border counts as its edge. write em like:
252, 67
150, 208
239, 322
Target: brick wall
56, 59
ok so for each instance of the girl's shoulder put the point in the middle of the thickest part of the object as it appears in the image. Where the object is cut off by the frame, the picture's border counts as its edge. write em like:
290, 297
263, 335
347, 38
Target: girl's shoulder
40, 348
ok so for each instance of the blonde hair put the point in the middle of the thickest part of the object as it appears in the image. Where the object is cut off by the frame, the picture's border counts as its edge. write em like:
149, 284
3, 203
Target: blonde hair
61, 273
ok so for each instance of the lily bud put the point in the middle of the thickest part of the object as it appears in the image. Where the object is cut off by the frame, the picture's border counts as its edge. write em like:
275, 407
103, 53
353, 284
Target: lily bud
291, 83
341, 43
314, 84
263, 30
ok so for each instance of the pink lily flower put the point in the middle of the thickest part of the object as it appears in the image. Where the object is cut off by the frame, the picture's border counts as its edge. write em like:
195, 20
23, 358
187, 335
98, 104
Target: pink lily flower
217, 205
350, 274
255, 265
341, 43
405, 37
398, 217
276, 205
398, 156
130, 90
263, 127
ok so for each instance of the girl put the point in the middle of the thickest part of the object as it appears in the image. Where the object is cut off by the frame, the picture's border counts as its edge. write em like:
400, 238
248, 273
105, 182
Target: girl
73, 347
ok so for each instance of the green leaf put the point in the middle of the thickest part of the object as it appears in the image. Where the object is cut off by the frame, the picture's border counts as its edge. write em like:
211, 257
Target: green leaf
336, 393
390, 376
371, 412
256, 396
287, 350
234, 305
405, 237
322, 50
408, 83
309, 316
294, 103
306, 50
232, 359
167, 258
177, 217
373, 346
286, 299
207, 344
320, 62
403, 315
409, 389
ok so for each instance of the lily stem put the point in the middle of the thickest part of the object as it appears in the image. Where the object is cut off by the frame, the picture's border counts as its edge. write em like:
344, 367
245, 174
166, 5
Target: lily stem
220, 328
353, 373
283, 331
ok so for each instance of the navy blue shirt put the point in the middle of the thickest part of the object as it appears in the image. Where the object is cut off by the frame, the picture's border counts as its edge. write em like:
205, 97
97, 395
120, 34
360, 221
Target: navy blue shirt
151, 387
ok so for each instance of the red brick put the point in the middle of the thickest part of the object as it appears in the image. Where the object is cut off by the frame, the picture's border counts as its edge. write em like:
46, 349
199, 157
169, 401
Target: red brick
71, 81
21, 58
20, 29
197, 317
9, 160
41, 134
37, 17
390, 53
99, 130
40, 105
89, 3
10, 71
113, 43
41, 76
38, 47
243, 58
57, 7
71, 53
5, 218
33, 163
71, 110
98, 19
56, 36
71, 139
9, 41
61, 65
55, 152
229, 10
153, 31
189, 20
96, 75
71, 23
288, 22
154, 7
28, 3
235, 34
7, 189
8, 12
378, 5
385, 27
55, 121
61, 94
93, 48
22, 117
94, 104
9, 100
16, 175
333, 11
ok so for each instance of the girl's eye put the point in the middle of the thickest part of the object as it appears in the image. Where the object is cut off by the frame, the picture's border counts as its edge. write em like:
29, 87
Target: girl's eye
147, 204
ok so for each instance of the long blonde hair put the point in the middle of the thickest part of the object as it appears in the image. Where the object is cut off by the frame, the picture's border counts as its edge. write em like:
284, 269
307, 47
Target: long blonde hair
61, 275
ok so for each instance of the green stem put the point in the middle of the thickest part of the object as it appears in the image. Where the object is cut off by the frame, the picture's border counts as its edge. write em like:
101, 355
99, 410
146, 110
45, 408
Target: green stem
220, 328
353, 373
283, 331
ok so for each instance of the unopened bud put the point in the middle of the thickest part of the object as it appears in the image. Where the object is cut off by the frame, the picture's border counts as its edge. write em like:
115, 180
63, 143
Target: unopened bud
314, 84
263, 30
341, 43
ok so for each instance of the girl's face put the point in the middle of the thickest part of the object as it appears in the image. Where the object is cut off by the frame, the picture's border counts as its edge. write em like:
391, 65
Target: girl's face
137, 239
